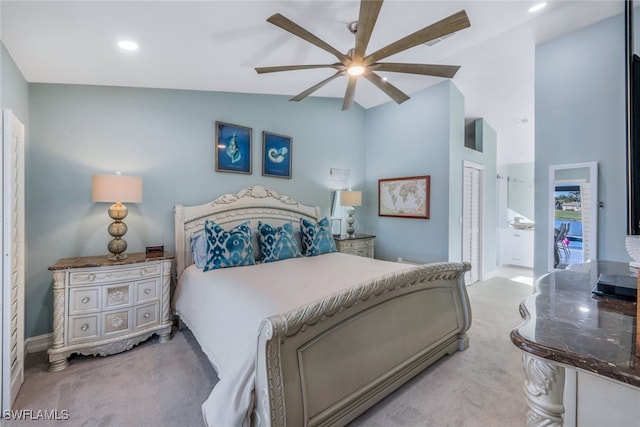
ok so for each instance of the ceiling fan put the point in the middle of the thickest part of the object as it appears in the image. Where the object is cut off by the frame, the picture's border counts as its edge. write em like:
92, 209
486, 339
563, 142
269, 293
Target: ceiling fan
356, 63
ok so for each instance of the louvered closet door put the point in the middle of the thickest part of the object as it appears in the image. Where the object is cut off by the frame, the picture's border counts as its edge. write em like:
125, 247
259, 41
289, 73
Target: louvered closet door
13, 265
472, 221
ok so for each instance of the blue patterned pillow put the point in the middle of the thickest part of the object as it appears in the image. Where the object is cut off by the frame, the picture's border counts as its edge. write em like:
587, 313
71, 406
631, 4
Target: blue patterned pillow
231, 248
278, 243
316, 239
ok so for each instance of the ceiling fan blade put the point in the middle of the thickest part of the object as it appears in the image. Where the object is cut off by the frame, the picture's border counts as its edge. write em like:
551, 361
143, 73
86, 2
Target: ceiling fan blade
451, 24
393, 92
349, 94
369, 10
295, 29
447, 71
303, 95
263, 70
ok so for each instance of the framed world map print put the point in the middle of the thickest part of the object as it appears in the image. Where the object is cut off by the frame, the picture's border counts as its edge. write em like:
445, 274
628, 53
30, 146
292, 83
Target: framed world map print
404, 197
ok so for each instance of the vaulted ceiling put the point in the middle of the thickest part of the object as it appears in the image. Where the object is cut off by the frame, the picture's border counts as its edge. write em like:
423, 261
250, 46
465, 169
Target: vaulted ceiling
215, 45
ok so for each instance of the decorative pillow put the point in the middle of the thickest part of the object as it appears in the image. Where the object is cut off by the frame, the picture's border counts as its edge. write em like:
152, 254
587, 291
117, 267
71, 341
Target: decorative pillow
199, 249
277, 243
228, 248
316, 239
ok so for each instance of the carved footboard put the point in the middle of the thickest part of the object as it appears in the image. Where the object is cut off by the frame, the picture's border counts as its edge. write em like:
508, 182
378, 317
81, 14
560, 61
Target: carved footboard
327, 362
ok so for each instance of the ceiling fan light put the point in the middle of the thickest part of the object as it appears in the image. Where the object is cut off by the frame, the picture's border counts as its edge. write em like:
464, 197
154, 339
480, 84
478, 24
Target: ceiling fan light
355, 70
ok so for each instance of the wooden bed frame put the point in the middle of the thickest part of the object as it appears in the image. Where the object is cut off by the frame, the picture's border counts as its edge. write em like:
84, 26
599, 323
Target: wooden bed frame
327, 362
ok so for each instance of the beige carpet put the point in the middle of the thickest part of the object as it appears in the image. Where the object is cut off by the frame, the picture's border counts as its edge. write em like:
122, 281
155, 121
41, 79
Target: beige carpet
165, 384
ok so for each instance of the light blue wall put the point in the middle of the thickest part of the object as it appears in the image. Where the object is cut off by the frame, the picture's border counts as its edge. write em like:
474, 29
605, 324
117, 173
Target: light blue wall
425, 136
166, 137
580, 117
410, 140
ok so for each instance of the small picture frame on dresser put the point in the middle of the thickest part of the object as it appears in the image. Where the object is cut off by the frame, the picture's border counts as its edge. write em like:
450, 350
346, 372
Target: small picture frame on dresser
154, 251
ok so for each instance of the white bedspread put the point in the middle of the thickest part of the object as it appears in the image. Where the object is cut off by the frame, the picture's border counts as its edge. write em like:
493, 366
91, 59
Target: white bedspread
224, 309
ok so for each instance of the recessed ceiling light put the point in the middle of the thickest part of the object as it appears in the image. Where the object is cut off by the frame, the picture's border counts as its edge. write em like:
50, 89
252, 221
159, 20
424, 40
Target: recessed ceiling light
128, 45
537, 7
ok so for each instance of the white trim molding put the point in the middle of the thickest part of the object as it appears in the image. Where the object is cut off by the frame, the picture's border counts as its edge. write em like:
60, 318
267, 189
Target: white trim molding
38, 343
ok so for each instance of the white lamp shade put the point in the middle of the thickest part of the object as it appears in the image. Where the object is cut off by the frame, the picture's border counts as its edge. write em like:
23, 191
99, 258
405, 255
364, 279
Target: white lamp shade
351, 198
116, 188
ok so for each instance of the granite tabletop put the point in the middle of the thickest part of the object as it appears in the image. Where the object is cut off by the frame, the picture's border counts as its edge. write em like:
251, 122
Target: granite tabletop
565, 323
103, 261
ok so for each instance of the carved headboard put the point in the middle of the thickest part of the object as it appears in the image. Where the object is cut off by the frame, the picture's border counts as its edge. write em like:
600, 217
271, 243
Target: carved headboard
253, 204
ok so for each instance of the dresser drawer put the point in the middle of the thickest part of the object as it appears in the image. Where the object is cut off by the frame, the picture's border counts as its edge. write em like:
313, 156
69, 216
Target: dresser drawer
363, 252
84, 300
360, 245
102, 306
355, 245
83, 328
147, 290
116, 323
147, 315
116, 296
89, 277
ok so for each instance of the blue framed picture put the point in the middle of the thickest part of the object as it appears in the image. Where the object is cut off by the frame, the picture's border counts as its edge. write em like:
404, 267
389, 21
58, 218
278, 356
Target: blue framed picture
276, 155
233, 148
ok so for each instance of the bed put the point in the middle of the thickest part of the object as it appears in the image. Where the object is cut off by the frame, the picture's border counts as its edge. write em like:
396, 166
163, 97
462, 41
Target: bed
310, 341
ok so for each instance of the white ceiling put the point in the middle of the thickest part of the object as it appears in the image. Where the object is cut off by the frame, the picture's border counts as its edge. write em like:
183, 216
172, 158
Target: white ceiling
215, 45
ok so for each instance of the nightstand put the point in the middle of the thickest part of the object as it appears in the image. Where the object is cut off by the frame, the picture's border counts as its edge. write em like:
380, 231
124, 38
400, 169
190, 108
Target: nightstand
103, 307
359, 244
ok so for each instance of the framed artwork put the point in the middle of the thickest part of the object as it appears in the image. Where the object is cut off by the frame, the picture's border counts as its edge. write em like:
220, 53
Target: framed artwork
404, 197
276, 155
233, 148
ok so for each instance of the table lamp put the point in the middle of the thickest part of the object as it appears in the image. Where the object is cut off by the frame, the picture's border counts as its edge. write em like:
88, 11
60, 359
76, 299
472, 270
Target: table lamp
117, 188
350, 199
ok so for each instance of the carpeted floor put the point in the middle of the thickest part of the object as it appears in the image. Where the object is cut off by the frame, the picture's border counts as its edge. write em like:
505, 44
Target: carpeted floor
166, 384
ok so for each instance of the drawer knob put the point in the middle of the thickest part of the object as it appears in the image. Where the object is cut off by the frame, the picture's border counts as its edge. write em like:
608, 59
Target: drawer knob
91, 277
147, 315
85, 300
147, 291
143, 271
84, 327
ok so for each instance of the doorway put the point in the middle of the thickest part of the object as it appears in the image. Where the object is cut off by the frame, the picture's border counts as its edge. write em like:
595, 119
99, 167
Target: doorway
573, 214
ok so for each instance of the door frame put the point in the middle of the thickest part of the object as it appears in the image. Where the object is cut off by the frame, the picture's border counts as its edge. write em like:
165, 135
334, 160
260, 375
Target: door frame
481, 230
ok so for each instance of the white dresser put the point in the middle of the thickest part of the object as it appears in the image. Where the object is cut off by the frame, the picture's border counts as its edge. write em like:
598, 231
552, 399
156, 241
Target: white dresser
359, 244
516, 247
102, 307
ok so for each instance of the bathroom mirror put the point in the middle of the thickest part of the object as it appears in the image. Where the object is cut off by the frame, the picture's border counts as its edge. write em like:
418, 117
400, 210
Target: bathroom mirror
573, 214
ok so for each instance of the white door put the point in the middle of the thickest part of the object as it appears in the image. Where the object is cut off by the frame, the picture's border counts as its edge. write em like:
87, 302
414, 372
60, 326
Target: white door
13, 267
472, 207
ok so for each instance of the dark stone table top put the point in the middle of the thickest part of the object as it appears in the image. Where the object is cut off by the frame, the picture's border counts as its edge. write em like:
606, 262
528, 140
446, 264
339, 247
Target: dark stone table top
565, 323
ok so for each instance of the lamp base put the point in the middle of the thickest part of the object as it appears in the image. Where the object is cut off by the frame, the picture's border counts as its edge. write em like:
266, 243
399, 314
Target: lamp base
350, 221
117, 229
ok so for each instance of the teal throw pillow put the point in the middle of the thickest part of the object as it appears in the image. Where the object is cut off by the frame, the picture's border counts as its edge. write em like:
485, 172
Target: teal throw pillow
277, 243
230, 248
316, 238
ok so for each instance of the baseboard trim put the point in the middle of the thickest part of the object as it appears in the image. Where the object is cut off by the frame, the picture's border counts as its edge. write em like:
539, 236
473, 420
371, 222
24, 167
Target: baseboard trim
38, 343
